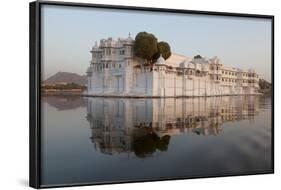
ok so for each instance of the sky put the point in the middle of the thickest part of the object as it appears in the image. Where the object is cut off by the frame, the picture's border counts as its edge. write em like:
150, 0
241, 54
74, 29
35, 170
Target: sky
68, 34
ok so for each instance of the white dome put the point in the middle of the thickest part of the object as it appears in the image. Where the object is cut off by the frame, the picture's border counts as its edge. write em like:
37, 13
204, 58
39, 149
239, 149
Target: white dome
200, 61
215, 60
184, 64
251, 70
190, 65
89, 71
129, 40
160, 60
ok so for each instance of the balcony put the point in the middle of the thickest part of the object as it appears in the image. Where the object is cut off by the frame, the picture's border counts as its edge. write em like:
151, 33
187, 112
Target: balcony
190, 76
112, 58
215, 72
244, 84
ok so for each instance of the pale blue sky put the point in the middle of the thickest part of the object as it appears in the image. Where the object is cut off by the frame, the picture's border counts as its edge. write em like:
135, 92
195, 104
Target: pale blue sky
68, 33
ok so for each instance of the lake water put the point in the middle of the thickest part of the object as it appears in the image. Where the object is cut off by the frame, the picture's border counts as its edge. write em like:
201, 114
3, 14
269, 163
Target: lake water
97, 140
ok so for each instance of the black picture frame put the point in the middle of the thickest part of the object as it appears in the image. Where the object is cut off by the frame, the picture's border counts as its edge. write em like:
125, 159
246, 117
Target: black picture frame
35, 80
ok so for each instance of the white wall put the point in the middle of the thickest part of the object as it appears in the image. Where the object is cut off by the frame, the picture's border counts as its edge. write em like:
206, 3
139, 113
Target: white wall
14, 95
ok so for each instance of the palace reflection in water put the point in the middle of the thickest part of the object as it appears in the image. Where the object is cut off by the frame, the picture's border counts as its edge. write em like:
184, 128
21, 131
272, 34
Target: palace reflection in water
109, 139
146, 125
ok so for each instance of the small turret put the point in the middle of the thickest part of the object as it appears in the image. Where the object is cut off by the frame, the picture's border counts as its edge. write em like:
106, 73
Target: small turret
96, 53
160, 60
128, 45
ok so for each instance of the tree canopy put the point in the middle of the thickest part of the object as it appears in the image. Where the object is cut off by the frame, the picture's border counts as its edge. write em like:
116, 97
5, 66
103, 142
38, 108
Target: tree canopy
164, 49
147, 47
197, 57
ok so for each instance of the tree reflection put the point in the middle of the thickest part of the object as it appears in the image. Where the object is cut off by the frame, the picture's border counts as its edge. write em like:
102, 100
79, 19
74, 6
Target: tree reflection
150, 143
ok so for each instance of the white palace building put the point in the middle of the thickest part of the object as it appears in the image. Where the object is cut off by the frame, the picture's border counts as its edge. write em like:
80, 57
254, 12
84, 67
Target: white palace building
114, 71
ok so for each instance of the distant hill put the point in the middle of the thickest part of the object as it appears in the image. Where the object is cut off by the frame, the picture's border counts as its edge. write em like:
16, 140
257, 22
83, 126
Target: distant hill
66, 77
265, 87
264, 84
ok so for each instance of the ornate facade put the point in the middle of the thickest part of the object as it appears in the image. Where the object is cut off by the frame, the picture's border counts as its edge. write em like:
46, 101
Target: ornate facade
114, 71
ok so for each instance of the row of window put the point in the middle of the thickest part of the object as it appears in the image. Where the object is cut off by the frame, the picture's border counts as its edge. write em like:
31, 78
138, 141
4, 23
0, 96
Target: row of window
214, 67
96, 55
234, 80
229, 73
189, 72
108, 52
228, 80
111, 51
100, 67
235, 74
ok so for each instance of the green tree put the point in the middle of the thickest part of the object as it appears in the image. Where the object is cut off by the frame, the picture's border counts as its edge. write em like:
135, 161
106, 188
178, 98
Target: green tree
145, 46
197, 57
164, 50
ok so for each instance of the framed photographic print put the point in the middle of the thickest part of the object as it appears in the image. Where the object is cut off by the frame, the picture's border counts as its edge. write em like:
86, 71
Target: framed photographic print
132, 94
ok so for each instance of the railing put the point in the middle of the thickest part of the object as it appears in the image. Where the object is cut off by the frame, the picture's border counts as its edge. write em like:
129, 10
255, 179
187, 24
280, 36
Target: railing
190, 76
114, 57
215, 72
245, 84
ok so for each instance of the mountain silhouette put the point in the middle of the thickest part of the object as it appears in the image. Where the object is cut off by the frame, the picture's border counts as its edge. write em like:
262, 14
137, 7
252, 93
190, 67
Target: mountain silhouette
66, 77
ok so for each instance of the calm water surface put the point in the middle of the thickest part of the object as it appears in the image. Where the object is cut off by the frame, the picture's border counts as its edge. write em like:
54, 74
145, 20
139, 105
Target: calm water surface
93, 140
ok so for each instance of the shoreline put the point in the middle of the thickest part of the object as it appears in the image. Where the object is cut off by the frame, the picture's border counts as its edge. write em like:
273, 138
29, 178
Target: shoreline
159, 97
81, 94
